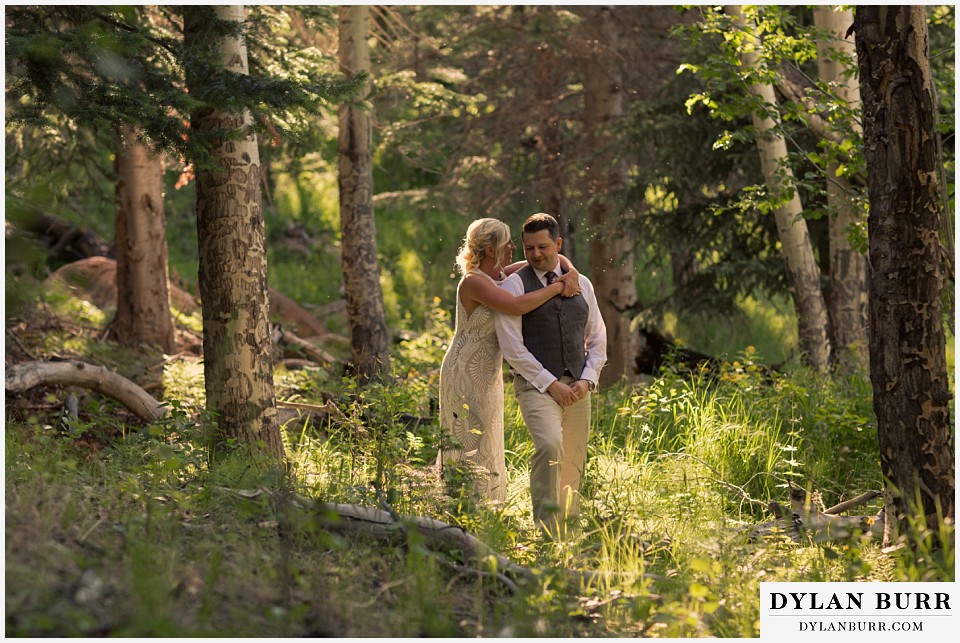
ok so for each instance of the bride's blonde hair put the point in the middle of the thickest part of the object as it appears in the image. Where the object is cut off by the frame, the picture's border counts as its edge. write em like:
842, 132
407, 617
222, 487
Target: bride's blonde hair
481, 234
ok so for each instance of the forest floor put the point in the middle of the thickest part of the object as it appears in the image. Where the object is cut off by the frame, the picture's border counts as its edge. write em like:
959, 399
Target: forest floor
119, 528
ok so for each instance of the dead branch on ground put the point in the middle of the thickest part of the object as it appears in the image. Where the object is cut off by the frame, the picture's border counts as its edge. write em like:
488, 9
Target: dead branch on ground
23, 377
386, 525
804, 518
313, 352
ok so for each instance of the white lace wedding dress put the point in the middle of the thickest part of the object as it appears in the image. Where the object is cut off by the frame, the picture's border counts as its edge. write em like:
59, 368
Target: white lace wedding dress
471, 398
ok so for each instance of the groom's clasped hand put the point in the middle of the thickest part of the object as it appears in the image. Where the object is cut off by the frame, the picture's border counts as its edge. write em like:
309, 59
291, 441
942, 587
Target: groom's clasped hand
565, 395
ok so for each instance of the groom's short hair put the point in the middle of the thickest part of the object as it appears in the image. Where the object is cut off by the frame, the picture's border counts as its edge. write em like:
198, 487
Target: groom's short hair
542, 221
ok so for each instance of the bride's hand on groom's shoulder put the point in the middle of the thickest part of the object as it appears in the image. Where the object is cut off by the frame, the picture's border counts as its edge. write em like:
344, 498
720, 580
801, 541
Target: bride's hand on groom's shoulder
571, 284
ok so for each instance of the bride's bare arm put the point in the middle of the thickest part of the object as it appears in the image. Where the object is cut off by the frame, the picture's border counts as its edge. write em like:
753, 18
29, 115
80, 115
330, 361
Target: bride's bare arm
570, 278
478, 289
512, 268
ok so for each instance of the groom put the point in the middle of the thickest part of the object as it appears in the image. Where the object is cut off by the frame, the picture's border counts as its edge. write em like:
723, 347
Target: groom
556, 352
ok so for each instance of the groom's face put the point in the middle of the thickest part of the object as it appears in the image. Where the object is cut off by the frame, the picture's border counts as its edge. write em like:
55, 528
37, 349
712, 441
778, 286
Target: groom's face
540, 250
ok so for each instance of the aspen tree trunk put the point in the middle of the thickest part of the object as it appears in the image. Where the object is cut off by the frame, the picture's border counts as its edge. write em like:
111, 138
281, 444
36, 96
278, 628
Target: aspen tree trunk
907, 343
553, 195
143, 287
612, 226
848, 267
237, 364
369, 342
803, 276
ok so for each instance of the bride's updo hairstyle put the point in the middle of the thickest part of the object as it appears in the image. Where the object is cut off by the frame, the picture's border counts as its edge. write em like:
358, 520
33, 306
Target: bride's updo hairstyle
481, 234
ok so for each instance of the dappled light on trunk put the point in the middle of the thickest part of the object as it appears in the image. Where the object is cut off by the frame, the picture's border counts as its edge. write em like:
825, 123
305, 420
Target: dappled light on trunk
238, 371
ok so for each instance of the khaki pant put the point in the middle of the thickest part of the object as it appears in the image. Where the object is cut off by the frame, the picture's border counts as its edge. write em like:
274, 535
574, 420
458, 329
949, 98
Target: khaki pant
560, 453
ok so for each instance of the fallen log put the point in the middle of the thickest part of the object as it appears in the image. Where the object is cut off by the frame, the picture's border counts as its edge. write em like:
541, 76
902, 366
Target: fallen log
93, 272
326, 407
658, 351
296, 364
853, 503
821, 526
287, 415
386, 525
312, 351
317, 414
302, 322
803, 519
63, 237
23, 377
380, 524
322, 311
309, 413
95, 279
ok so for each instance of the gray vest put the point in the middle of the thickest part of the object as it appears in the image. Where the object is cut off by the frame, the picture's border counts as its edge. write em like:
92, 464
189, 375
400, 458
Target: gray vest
555, 335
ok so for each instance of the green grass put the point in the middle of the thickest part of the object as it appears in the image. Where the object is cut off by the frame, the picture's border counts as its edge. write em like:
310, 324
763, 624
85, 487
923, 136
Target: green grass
143, 539
766, 329
119, 529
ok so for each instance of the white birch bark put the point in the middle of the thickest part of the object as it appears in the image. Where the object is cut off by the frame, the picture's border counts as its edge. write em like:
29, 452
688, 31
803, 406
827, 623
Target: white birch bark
803, 275
848, 267
238, 366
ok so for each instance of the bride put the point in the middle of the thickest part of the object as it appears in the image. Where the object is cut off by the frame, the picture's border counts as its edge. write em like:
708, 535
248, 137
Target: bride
471, 375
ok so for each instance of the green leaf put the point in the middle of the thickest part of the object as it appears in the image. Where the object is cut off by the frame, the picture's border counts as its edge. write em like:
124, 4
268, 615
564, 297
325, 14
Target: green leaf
697, 590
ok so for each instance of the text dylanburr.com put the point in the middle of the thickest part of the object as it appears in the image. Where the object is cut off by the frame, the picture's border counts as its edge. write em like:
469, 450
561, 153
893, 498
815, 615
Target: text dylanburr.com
892, 611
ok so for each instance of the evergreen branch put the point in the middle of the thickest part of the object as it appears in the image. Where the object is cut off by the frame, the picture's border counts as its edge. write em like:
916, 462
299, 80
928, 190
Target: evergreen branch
166, 43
